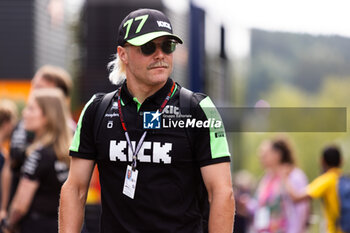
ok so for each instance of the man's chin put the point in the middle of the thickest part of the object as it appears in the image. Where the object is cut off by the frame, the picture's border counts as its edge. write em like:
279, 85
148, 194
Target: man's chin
159, 80
160, 76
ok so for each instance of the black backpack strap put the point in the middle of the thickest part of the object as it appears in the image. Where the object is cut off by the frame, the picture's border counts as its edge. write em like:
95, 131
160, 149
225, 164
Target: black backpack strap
185, 100
101, 110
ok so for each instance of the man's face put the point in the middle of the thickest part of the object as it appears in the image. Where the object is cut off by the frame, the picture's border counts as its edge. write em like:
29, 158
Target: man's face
269, 157
150, 70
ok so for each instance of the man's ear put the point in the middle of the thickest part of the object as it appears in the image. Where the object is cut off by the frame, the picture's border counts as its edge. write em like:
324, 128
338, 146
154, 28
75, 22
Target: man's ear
122, 54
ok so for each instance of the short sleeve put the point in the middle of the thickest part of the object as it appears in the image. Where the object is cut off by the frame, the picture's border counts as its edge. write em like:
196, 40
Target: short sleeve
298, 179
35, 166
210, 143
318, 187
83, 145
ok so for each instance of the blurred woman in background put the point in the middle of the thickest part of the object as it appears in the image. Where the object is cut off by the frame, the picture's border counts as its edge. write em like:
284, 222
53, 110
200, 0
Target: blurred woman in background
274, 211
8, 117
34, 207
47, 76
298, 214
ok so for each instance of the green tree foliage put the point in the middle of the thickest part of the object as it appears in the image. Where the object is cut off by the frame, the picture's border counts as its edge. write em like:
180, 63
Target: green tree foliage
299, 59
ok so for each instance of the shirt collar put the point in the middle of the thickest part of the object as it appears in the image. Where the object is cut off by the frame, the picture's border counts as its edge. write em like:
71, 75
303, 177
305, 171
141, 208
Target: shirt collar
335, 170
157, 98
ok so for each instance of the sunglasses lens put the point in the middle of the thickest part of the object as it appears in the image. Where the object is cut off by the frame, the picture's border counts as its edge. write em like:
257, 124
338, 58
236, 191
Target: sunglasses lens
168, 46
148, 48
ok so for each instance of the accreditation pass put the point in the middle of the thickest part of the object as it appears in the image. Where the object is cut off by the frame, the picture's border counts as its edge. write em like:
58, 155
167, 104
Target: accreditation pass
130, 182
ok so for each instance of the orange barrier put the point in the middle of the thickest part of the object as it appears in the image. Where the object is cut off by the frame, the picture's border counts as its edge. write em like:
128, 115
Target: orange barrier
16, 90
94, 194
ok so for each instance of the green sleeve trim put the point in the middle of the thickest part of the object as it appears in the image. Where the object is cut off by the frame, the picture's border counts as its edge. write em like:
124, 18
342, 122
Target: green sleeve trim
138, 104
121, 101
218, 141
76, 139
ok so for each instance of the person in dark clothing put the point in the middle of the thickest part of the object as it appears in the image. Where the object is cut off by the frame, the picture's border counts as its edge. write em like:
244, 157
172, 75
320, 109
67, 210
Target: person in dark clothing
8, 117
166, 166
47, 76
34, 206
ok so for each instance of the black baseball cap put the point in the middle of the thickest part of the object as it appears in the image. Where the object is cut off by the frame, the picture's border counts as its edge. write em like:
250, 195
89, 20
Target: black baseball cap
144, 25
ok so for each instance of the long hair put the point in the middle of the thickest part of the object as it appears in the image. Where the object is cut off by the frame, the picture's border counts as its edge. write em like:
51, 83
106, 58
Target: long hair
57, 131
283, 146
117, 70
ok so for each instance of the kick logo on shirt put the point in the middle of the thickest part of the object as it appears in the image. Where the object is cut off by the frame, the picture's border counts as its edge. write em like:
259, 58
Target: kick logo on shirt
150, 152
151, 120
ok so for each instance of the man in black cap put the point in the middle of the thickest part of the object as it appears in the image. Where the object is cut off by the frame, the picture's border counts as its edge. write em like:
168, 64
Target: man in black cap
151, 171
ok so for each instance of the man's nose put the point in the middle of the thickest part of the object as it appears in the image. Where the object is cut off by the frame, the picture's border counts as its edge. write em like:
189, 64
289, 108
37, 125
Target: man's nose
159, 54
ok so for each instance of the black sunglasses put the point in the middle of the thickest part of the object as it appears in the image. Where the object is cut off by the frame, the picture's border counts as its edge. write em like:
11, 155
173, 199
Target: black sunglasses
167, 47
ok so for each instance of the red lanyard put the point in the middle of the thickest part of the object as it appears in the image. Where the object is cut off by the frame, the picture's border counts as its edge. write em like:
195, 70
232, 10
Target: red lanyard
139, 144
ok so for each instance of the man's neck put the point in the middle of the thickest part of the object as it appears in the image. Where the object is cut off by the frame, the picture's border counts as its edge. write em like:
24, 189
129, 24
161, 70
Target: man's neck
143, 91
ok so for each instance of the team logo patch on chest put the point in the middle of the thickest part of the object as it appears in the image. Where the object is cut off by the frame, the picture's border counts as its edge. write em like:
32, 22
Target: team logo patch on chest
159, 152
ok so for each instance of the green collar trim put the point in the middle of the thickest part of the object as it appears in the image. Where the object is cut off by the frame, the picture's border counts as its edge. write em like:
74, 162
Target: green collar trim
174, 90
137, 103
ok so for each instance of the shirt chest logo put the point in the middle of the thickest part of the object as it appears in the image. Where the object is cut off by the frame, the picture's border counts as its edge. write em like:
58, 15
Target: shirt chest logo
110, 125
160, 152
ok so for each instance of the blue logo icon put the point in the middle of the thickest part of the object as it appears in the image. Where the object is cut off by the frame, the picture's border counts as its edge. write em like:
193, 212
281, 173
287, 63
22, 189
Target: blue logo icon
151, 120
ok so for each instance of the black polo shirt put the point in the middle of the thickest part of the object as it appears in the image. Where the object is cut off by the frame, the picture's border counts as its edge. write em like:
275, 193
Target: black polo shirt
166, 197
20, 140
43, 166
